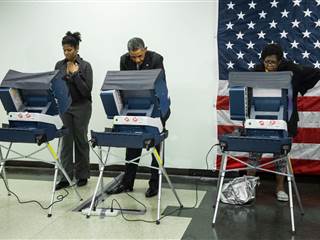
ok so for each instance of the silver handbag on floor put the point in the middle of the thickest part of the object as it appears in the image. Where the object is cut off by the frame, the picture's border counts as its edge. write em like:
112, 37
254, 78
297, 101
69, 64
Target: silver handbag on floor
240, 190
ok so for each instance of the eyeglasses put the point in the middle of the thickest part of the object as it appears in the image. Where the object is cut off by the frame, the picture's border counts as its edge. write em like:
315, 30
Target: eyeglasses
270, 62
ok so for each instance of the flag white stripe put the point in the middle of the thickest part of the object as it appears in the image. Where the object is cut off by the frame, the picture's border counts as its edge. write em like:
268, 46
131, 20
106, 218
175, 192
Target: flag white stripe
223, 118
305, 151
223, 88
309, 119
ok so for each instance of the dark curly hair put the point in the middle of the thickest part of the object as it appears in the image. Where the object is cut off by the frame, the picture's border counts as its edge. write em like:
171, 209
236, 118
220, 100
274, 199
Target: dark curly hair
272, 49
72, 39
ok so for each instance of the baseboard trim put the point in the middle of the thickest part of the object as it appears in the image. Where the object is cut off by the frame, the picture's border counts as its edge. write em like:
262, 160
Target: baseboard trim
94, 167
143, 172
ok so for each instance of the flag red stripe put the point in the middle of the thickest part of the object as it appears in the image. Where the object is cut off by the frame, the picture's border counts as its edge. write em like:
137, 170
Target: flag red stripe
309, 104
223, 129
307, 135
223, 103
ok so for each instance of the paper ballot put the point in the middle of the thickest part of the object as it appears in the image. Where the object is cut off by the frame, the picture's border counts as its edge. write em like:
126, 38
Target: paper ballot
117, 100
114, 102
16, 98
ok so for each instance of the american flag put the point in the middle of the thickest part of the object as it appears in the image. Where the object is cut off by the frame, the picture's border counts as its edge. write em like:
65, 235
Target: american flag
244, 28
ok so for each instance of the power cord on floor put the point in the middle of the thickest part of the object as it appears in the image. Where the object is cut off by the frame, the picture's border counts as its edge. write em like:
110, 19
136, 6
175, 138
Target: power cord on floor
59, 197
207, 155
145, 208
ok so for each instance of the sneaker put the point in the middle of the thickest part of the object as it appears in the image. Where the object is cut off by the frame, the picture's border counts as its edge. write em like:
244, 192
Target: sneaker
282, 196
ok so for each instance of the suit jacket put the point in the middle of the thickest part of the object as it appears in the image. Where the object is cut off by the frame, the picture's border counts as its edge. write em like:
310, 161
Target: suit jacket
152, 60
80, 82
303, 79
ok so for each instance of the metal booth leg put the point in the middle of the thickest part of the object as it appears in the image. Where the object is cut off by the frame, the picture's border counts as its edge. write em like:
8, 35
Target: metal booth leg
295, 186
56, 169
102, 166
290, 197
163, 171
220, 182
59, 167
3, 168
160, 184
53, 188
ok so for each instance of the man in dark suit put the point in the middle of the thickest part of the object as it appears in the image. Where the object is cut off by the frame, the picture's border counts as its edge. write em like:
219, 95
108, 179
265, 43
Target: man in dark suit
139, 58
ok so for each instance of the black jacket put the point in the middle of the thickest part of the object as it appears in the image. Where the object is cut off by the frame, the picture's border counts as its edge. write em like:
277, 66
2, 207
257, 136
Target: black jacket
80, 82
303, 79
152, 60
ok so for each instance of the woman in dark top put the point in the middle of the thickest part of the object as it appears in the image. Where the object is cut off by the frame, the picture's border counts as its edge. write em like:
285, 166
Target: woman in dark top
303, 79
78, 75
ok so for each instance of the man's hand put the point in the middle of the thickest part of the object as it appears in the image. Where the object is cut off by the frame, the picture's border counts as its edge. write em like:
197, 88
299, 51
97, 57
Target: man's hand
72, 67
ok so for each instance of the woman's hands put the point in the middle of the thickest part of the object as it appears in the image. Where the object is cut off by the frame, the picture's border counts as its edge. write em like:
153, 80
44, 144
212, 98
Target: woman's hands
72, 67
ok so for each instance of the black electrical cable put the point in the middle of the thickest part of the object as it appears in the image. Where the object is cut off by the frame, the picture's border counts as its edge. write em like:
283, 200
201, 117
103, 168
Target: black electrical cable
145, 208
207, 155
59, 197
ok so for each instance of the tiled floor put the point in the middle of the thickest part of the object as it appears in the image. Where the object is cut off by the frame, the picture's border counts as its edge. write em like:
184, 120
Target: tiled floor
265, 219
29, 221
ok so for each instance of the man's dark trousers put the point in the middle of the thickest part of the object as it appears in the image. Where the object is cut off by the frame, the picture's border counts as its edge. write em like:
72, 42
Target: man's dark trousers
131, 169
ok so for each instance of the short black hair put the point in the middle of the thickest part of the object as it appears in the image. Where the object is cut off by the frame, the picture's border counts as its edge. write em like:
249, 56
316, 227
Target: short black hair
135, 44
72, 39
272, 49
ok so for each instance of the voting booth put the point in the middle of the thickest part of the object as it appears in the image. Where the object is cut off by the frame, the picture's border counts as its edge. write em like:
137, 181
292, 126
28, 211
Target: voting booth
34, 103
263, 102
138, 103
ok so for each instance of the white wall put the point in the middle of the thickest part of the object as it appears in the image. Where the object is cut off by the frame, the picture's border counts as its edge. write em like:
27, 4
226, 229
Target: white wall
183, 32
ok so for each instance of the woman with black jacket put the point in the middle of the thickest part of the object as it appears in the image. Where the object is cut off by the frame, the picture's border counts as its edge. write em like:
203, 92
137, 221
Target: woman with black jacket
78, 75
303, 79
